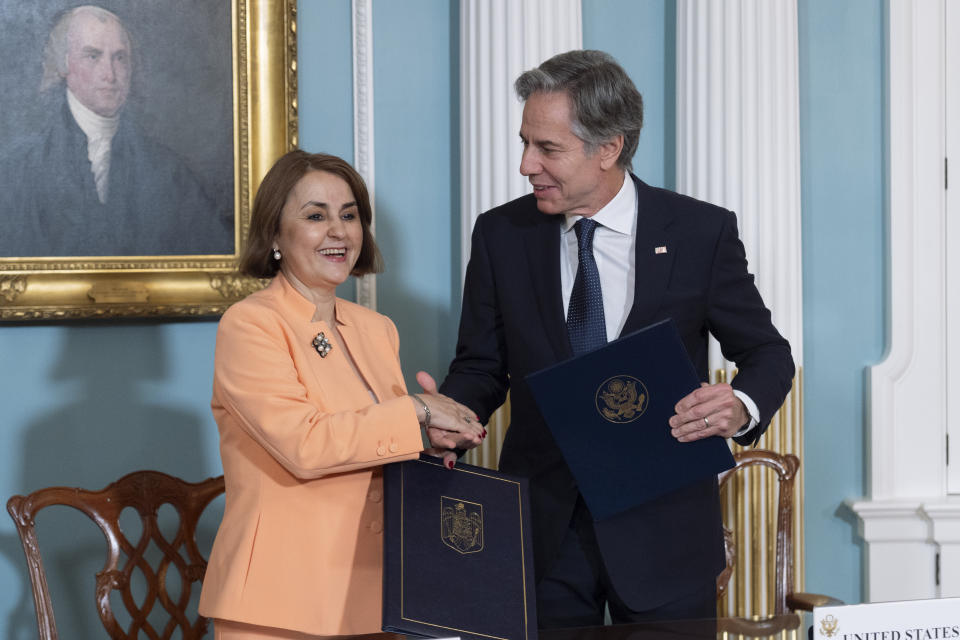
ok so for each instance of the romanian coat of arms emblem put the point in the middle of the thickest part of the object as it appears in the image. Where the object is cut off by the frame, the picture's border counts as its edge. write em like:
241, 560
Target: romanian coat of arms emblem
461, 525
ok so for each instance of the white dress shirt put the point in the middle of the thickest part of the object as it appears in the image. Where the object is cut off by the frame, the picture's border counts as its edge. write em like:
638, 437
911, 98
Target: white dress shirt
614, 249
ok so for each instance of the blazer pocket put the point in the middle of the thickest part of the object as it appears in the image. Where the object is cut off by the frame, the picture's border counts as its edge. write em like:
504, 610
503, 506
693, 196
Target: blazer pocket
253, 546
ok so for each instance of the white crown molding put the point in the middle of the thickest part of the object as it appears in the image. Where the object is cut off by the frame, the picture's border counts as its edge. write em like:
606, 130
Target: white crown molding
945, 518
363, 146
904, 539
945, 522
900, 547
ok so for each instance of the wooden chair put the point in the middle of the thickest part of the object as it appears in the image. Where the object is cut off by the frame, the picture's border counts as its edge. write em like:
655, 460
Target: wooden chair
785, 599
146, 492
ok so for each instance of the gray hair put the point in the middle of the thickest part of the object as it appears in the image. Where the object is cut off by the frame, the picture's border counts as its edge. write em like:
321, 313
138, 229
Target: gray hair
605, 101
58, 42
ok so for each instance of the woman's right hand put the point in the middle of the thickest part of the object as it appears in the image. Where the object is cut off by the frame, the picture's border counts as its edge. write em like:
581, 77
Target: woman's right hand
452, 425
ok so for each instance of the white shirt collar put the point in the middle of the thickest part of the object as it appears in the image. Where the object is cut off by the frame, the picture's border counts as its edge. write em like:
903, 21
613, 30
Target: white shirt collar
92, 124
618, 214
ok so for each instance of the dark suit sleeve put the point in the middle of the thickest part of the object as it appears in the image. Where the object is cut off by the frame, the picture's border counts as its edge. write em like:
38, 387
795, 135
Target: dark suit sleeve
478, 373
742, 324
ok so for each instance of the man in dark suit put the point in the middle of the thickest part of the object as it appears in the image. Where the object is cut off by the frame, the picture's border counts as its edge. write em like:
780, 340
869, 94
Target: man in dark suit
592, 254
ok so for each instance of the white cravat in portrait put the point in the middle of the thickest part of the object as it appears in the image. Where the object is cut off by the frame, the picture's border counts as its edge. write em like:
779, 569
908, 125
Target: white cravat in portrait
99, 131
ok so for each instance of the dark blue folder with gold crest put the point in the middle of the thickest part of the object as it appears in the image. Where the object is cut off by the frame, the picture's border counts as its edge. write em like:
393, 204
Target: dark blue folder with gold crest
457, 553
608, 411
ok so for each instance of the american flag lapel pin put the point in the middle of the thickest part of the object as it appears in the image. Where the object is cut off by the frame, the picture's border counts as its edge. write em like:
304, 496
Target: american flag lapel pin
659, 250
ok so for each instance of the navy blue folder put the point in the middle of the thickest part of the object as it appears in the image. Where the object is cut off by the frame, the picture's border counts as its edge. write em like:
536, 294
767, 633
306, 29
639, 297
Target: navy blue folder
457, 553
608, 411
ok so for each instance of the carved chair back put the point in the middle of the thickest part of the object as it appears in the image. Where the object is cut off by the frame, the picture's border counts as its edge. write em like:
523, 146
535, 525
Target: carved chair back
145, 492
785, 466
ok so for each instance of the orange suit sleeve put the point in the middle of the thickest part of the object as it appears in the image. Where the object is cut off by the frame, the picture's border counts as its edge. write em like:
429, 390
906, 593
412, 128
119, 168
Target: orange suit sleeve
261, 381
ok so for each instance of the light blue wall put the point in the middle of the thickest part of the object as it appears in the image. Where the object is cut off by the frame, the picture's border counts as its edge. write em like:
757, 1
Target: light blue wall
415, 56
84, 403
325, 85
841, 118
640, 35
325, 81
81, 406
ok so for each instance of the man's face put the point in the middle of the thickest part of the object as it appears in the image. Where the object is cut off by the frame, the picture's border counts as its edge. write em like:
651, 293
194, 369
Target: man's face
565, 178
98, 63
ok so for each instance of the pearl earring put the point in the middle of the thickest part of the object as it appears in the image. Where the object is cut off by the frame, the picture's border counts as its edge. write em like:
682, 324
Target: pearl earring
276, 254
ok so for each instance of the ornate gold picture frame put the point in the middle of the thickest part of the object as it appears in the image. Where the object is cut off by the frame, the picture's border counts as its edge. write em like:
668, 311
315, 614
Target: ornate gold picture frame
264, 104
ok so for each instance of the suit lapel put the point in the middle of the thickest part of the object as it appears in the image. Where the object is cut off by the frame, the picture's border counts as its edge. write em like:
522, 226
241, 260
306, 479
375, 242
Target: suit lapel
654, 253
543, 256
368, 356
653, 259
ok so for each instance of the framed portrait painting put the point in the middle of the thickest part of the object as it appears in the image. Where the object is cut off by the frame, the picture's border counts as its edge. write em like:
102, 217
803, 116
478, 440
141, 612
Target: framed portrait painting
134, 135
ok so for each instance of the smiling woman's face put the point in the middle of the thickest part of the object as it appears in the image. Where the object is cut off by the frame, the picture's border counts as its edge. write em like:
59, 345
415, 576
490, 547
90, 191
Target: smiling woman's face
320, 233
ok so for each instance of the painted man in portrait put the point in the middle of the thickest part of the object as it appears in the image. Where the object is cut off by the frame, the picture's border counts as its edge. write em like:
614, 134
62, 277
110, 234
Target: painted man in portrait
91, 183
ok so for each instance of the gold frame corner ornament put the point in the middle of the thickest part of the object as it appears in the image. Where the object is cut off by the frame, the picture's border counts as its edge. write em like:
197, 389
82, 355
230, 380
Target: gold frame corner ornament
265, 124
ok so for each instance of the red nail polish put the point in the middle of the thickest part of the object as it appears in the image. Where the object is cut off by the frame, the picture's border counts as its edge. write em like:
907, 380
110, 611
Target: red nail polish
484, 433
450, 464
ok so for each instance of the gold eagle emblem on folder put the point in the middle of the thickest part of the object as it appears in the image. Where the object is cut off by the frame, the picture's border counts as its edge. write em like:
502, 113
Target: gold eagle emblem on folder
622, 399
829, 626
461, 525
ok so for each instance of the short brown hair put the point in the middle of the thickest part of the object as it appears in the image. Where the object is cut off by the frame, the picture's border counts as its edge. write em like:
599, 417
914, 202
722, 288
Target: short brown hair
257, 258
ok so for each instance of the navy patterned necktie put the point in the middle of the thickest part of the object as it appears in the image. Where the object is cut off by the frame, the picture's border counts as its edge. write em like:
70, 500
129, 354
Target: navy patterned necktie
586, 326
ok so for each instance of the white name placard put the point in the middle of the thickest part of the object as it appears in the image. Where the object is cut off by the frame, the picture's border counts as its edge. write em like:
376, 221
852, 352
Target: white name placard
904, 620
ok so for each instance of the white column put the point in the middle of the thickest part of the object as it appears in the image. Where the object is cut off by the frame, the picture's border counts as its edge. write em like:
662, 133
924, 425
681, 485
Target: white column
499, 40
908, 391
738, 146
363, 123
738, 137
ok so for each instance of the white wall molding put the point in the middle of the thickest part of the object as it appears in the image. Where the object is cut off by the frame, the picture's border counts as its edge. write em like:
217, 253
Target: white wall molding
904, 538
903, 554
945, 526
952, 239
363, 147
738, 137
907, 391
499, 40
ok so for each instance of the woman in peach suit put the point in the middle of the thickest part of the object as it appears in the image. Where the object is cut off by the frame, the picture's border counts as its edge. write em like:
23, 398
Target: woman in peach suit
309, 399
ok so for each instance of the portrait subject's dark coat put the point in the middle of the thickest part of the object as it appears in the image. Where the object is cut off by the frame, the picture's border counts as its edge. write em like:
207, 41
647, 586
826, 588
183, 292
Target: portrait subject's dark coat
155, 204
513, 324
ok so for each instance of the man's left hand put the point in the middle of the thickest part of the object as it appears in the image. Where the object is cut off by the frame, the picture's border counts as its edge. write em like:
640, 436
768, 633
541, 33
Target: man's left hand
711, 410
